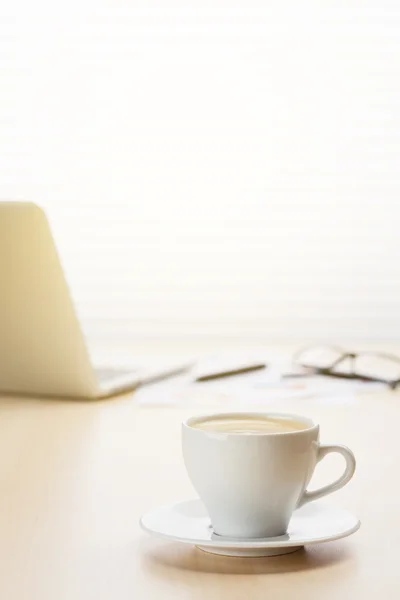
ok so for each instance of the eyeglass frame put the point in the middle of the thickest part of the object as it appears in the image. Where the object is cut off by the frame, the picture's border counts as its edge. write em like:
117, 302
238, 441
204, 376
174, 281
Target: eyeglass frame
345, 355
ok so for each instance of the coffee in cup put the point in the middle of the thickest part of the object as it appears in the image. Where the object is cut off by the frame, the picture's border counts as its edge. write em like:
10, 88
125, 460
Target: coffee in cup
249, 424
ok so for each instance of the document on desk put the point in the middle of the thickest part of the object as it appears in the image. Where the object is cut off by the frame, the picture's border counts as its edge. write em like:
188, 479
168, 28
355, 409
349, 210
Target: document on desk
254, 389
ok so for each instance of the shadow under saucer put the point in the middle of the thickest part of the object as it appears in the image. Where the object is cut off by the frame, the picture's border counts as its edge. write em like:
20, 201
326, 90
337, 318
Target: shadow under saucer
160, 558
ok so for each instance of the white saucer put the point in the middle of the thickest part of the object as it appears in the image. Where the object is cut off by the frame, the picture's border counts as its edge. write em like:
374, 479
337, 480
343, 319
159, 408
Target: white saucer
189, 523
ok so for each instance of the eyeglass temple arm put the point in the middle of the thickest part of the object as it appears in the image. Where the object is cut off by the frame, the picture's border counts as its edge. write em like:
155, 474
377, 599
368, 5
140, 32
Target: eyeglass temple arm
327, 372
342, 358
333, 365
393, 384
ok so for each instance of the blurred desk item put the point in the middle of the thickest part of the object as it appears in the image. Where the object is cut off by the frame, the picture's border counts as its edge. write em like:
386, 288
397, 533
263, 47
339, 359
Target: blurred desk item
231, 371
335, 362
76, 477
249, 390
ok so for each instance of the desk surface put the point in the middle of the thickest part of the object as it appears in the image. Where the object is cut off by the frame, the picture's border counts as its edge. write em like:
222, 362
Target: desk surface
75, 478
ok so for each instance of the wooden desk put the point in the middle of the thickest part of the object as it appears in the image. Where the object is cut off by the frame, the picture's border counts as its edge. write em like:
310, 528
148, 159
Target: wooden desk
75, 478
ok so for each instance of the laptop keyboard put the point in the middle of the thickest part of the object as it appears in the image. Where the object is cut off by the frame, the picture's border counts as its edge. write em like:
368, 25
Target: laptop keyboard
108, 373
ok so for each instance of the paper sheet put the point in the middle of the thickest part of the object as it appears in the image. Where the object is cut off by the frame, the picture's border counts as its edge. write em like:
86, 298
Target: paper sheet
251, 390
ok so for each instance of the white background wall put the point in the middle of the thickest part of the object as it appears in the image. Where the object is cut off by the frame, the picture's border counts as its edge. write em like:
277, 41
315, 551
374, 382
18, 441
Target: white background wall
209, 166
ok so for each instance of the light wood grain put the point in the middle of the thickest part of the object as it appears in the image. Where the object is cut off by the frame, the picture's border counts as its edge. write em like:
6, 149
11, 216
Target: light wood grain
75, 478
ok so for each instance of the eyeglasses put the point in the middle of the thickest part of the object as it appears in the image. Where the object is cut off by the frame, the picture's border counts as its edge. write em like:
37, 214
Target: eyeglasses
333, 361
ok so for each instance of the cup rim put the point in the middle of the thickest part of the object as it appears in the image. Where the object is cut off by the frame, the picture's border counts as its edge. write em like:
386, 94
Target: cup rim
188, 423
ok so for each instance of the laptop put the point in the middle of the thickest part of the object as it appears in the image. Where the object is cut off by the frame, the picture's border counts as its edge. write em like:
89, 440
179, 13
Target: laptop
43, 350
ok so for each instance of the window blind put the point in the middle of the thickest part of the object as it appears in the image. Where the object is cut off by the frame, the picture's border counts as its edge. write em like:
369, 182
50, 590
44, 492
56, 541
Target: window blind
212, 168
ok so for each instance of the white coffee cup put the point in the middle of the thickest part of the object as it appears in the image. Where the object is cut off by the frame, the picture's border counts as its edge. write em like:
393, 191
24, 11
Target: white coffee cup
250, 483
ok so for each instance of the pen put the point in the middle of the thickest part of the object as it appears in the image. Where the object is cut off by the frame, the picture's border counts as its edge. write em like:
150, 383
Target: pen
231, 372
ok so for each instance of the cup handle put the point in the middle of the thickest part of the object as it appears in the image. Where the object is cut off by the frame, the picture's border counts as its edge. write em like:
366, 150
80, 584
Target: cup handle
349, 457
